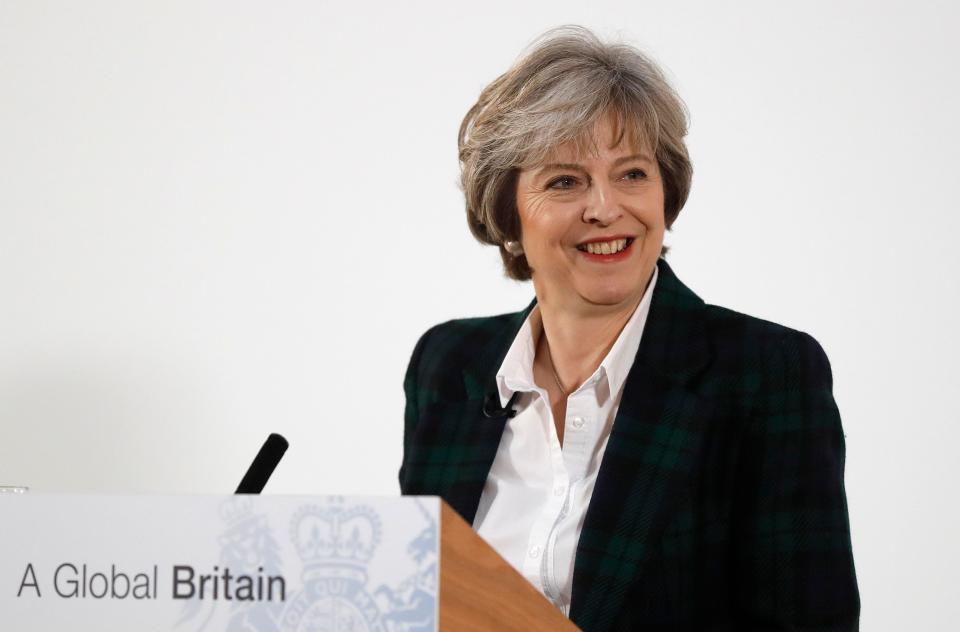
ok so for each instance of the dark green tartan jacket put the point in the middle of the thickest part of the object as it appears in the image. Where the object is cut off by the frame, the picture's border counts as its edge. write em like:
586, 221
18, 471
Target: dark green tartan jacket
719, 504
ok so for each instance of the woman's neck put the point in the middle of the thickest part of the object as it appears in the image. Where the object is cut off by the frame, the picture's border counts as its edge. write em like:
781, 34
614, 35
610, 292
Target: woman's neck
577, 342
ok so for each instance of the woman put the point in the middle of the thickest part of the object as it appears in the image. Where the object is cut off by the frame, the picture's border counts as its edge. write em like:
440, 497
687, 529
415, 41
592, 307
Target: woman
646, 460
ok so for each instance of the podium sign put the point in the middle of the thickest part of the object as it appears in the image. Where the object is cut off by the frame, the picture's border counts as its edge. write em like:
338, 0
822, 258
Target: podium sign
98, 562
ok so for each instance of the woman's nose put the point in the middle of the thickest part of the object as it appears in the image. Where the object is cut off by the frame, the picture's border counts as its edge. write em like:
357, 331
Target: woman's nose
602, 206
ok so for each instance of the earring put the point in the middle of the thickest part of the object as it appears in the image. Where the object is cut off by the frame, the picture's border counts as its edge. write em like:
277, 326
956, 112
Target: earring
513, 247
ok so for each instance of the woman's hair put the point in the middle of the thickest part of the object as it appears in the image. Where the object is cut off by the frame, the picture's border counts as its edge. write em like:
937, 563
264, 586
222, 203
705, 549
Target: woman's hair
555, 94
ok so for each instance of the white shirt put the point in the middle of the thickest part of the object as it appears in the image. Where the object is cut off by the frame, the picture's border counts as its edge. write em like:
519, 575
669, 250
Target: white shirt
536, 495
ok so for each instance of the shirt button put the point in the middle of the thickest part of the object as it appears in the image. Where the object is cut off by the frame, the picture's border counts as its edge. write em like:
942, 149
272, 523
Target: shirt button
578, 423
535, 552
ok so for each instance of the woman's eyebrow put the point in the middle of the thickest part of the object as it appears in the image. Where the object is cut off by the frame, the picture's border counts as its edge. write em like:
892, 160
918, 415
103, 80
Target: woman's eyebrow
560, 165
577, 167
624, 159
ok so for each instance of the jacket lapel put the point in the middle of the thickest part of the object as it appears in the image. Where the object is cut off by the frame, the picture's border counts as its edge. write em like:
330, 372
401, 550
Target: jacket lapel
481, 420
654, 445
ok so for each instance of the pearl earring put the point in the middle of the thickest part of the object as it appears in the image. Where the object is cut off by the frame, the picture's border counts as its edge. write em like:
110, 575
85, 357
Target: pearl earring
513, 247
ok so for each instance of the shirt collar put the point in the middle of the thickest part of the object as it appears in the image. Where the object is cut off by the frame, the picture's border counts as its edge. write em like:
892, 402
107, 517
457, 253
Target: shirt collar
516, 371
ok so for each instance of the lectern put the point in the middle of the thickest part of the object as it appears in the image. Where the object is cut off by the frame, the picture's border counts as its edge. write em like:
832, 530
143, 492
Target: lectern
266, 563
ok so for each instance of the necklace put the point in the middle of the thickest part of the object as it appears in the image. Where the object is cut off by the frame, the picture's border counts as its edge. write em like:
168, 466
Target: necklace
556, 376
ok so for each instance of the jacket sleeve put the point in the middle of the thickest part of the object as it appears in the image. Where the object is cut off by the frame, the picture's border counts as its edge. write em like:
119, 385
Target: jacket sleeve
793, 552
411, 410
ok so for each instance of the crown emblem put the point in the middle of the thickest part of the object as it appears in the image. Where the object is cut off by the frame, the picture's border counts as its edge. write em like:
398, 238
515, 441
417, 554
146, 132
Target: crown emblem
336, 541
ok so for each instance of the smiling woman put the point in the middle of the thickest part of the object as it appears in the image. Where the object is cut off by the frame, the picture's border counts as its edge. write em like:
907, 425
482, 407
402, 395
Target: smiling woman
644, 459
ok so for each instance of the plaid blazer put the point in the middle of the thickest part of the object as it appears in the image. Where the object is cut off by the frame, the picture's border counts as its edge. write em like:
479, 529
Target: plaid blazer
719, 504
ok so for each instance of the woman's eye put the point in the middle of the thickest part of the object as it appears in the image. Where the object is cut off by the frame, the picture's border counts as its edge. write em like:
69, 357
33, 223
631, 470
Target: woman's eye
563, 182
635, 174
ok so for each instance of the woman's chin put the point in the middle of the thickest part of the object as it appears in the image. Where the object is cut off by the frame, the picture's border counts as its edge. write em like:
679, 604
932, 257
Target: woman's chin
608, 296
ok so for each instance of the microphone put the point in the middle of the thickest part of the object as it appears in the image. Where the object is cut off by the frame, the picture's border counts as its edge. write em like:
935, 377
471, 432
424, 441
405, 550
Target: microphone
491, 406
263, 465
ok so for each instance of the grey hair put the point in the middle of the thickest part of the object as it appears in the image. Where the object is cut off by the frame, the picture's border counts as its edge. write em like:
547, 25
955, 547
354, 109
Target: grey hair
555, 94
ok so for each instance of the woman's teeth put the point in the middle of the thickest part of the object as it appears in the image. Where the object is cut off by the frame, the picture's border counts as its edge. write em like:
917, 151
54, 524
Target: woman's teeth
604, 247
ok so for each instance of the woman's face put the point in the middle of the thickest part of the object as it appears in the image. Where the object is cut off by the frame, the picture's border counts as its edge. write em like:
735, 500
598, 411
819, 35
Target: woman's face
592, 226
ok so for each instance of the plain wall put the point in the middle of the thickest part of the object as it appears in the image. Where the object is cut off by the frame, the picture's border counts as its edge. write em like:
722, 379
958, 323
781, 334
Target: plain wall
219, 220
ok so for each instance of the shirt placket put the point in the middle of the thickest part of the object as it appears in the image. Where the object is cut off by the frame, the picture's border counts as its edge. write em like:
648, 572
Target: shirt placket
538, 567
568, 464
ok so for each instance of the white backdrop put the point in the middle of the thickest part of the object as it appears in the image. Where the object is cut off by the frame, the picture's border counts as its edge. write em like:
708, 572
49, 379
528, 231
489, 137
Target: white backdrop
219, 220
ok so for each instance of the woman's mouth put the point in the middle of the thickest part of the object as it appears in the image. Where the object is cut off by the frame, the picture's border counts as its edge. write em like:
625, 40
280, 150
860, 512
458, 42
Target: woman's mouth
612, 250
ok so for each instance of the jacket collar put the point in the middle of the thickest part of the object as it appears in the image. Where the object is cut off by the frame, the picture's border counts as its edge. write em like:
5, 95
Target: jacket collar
674, 343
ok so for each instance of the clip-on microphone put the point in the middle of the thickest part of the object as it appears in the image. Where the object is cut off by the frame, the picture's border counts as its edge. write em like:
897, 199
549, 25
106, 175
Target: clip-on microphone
492, 409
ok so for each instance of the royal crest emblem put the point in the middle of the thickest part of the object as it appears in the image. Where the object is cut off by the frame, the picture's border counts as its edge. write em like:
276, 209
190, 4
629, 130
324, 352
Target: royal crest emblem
337, 544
